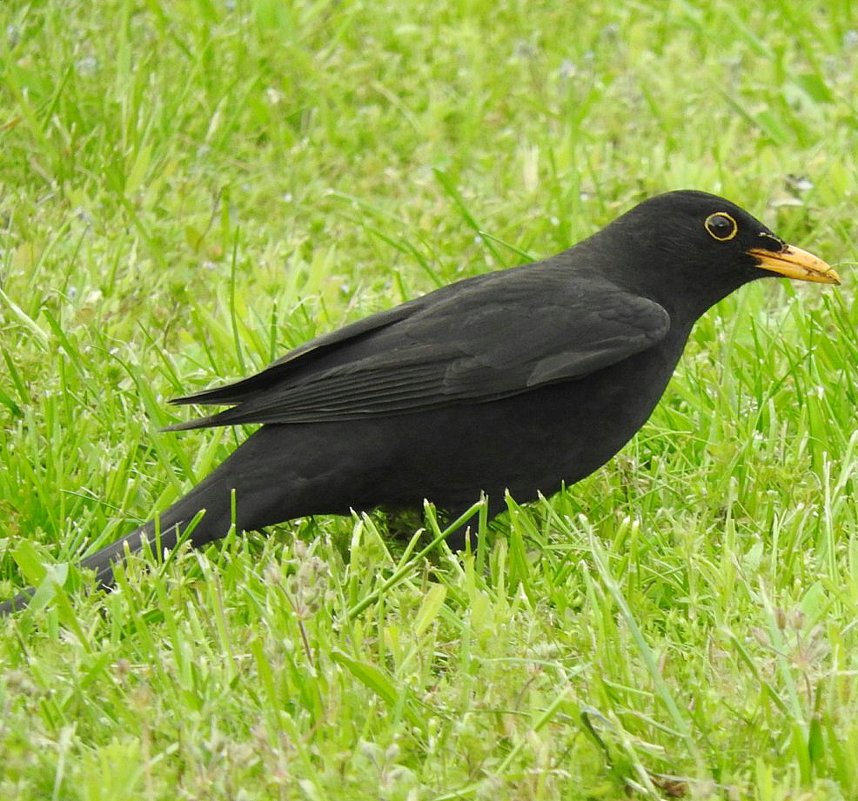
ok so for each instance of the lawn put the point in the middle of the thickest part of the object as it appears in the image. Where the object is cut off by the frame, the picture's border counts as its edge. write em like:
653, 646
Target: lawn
189, 189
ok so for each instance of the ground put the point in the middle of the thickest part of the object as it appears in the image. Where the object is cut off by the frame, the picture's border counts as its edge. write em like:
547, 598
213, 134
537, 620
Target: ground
189, 189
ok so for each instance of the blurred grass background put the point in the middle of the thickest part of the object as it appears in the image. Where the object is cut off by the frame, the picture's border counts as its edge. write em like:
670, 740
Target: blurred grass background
191, 188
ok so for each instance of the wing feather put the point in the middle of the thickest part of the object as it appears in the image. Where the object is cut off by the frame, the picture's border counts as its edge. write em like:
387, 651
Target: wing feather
491, 338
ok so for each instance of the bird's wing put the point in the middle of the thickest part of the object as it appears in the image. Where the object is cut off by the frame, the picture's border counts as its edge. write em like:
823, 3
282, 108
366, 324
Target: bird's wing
470, 343
239, 391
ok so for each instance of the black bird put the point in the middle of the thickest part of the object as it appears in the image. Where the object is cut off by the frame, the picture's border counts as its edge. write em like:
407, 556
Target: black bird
515, 380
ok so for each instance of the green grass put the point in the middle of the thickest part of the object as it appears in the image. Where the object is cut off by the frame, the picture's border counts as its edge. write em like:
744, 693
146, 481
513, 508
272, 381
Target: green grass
189, 189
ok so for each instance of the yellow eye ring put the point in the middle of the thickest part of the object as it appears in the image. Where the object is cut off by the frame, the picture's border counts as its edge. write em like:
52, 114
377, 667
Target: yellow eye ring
721, 226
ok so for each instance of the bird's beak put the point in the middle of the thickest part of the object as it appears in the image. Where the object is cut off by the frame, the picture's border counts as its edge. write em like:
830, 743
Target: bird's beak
794, 262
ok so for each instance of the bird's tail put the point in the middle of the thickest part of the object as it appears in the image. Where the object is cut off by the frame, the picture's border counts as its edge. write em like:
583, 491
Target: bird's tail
228, 495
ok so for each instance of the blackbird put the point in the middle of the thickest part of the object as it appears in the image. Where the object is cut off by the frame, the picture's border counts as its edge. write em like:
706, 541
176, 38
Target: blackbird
516, 380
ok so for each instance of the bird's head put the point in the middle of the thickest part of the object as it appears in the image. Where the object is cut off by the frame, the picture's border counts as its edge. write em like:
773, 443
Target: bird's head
700, 247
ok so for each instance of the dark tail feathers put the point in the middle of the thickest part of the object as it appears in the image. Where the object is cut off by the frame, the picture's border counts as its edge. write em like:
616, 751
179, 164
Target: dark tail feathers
213, 496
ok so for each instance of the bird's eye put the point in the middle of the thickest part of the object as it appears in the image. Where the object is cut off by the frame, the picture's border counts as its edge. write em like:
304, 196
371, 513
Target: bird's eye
721, 226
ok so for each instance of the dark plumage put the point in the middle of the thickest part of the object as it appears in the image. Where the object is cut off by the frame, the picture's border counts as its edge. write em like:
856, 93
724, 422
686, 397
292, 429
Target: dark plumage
519, 379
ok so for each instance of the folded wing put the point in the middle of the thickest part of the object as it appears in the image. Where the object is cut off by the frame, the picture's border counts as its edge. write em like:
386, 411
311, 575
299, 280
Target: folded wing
476, 341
